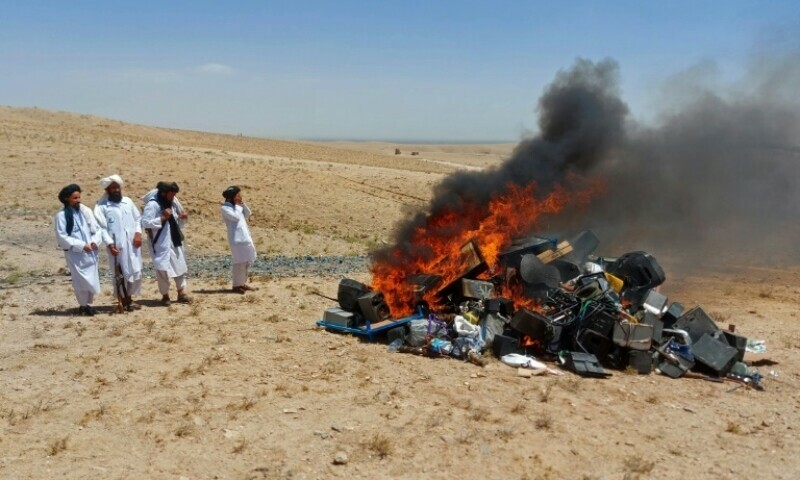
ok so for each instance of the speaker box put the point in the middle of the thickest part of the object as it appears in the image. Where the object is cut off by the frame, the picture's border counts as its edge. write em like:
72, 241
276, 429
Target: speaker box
595, 343
656, 323
501, 305
640, 271
349, 292
601, 323
697, 323
738, 342
641, 361
530, 323
505, 344
373, 307
672, 314
714, 354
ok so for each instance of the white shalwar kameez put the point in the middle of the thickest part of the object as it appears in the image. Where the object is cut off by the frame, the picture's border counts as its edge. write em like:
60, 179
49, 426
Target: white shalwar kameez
243, 252
120, 221
82, 265
169, 260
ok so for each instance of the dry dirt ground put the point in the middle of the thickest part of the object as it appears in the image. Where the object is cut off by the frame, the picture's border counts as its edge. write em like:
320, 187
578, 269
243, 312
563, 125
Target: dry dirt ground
245, 387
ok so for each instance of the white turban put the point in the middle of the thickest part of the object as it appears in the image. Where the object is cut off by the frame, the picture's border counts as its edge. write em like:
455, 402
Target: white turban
112, 179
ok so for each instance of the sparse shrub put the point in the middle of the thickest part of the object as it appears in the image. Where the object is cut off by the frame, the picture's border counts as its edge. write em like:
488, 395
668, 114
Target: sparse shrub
543, 422
57, 446
734, 428
636, 466
380, 445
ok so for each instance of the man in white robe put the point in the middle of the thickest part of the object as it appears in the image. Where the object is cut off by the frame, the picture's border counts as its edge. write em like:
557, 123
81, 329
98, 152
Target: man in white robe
78, 235
163, 220
243, 253
120, 220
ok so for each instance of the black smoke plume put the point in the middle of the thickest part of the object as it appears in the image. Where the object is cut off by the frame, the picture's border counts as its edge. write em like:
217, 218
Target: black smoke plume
717, 178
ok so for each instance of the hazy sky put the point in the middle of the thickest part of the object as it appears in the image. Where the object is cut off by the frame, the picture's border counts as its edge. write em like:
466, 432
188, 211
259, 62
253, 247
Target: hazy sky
426, 70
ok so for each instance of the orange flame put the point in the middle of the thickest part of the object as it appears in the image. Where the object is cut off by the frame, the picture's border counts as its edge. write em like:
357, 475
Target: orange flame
436, 246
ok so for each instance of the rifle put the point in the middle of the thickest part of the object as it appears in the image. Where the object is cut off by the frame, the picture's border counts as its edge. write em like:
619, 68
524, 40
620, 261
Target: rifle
119, 284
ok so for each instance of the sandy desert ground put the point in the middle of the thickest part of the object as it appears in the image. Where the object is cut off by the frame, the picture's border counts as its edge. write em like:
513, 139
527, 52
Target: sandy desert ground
246, 387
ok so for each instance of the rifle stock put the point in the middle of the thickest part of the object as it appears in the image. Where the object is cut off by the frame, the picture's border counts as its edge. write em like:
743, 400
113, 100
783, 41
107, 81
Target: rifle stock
119, 284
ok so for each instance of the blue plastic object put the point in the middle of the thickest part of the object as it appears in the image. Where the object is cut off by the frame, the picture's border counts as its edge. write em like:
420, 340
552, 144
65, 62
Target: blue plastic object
370, 330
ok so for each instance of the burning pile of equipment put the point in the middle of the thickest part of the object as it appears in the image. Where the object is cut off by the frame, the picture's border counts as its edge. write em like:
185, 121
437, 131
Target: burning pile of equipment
554, 299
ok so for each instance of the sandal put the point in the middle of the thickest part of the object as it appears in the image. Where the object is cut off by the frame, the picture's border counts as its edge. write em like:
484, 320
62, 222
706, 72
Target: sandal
183, 298
130, 305
241, 290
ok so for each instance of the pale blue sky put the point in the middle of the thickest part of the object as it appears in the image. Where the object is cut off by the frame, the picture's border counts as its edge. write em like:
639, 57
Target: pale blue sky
447, 70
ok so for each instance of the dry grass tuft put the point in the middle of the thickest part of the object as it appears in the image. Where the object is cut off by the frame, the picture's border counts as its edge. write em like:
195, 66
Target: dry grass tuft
148, 417
544, 422
184, 430
505, 433
94, 414
251, 299
240, 445
734, 428
148, 324
48, 346
637, 466
170, 337
116, 330
380, 445
480, 414
57, 446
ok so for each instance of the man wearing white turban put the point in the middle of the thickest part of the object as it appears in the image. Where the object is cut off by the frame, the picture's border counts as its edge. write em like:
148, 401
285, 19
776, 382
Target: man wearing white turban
120, 221
78, 235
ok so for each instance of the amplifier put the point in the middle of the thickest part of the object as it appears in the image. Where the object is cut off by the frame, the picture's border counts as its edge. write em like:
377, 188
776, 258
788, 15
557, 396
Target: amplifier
349, 291
373, 307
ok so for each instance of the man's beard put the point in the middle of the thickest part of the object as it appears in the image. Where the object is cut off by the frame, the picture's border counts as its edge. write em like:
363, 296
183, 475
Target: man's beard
115, 197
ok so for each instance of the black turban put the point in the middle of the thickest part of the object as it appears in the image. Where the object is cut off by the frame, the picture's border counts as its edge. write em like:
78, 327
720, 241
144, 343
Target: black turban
164, 187
67, 192
231, 192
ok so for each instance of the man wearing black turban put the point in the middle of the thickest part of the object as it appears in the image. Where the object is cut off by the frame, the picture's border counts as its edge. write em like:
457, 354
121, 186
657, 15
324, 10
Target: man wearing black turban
78, 235
235, 214
162, 219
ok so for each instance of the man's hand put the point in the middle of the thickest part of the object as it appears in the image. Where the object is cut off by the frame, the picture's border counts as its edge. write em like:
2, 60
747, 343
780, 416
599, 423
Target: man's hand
183, 215
166, 214
137, 240
94, 246
87, 248
114, 250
